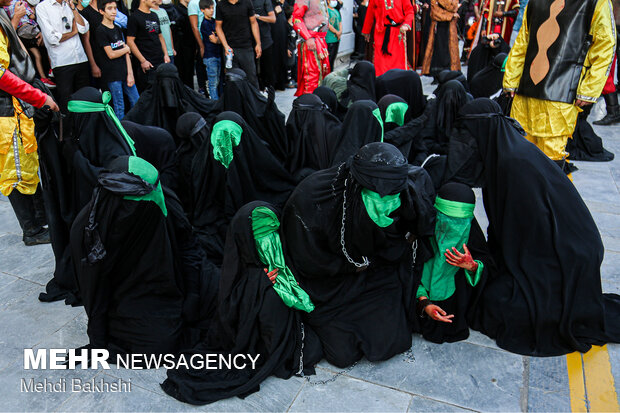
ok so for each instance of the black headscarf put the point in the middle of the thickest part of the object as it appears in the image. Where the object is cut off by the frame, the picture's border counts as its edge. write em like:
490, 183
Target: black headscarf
361, 83
251, 319
125, 266
362, 124
488, 81
328, 96
192, 130
156, 146
447, 75
538, 224
167, 99
359, 311
261, 113
482, 55
407, 85
254, 173
383, 105
312, 133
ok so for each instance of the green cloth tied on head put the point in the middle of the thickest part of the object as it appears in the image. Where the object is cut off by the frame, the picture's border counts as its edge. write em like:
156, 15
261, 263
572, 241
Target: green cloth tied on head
377, 114
225, 136
84, 106
265, 226
452, 229
396, 112
379, 207
148, 173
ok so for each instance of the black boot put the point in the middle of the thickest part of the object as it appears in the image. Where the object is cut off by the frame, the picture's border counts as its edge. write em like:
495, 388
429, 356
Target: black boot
613, 110
23, 206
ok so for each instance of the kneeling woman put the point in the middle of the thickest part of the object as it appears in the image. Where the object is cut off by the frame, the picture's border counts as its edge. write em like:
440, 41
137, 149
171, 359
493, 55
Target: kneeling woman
452, 279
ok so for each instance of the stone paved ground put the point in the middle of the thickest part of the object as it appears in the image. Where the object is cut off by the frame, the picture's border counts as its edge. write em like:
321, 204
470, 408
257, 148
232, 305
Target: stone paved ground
471, 375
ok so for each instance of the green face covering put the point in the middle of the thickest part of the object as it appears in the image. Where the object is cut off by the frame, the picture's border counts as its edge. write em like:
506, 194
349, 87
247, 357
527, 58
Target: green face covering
83, 106
377, 114
265, 226
379, 207
146, 171
225, 136
451, 230
395, 113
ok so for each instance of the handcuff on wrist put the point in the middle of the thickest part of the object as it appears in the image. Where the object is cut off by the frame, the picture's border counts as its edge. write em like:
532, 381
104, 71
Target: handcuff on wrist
421, 306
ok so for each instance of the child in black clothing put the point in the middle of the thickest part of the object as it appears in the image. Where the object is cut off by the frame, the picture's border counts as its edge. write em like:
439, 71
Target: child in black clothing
291, 63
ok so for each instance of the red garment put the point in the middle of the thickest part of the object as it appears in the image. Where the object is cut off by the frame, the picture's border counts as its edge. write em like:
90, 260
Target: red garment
610, 86
377, 17
310, 68
14, 86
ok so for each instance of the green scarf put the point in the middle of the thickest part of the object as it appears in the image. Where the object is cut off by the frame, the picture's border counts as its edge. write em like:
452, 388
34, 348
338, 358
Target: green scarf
379, 207
377, 114
265, 226
84, 106
451, 230
395, 113
146, 171
226, 134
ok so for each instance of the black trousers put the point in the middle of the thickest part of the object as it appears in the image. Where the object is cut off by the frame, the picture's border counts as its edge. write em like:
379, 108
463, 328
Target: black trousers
143, 79
265, 68
201, 72
332, 49
29, 210
244, 59
69, 79
184, 61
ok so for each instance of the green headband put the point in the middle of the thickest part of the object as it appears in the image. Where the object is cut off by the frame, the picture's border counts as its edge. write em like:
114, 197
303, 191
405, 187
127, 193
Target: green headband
265, 226
395, 113
147, 172
504, 64
84, 106
225, 135
379, 207
377, 114
454, 209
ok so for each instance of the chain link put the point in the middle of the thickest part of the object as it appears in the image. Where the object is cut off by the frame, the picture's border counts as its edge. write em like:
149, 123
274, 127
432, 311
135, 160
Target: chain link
332, 378
408, 356
301, 352
365, 262
414, 254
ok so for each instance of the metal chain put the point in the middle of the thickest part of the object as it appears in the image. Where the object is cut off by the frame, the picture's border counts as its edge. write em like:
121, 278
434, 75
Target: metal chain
414, 254
301, 352
365, 261
408, 356
332, 378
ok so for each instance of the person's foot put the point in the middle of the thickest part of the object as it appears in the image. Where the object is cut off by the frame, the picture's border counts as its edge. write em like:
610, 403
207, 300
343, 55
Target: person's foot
48, 83
609, 119
50, 74
41, 237
292, 85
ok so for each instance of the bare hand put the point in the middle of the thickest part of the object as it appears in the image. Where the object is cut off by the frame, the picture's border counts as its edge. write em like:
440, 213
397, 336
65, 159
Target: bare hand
436, 313
39, 39
582, 103
166, 58
272, 275
311, 43
146, 65
130, 80
174, 52
20, 10
202, 50
258, 51
425, 6
50, 103
366, 37
457, 259
96, 72
498, 14
404, 29
289, 53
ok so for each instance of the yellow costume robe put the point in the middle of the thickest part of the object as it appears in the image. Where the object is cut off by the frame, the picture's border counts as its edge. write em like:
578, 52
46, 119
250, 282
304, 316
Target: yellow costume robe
549, 124
19, 161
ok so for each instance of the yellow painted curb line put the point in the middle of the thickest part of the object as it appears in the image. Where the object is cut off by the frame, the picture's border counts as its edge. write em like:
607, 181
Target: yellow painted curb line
591, 383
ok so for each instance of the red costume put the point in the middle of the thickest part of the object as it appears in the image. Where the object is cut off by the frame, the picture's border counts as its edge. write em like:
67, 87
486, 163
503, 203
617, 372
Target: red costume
387, 16
310, 21
502, 25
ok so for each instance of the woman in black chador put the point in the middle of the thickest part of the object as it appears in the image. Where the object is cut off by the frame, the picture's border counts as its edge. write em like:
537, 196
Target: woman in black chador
454, 276
361, 125
312, 132
344, 231
232, 167
256, 315
403, 83
167, 99
546, 298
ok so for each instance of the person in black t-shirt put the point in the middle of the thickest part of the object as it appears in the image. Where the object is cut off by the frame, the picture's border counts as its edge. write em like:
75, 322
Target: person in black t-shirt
265, 17
116, 70
235, 26
146, 43
91, 13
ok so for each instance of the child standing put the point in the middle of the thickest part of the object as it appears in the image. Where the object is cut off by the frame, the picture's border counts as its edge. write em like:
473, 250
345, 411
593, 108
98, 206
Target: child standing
212, 46
116, 68
332, 38
164, 26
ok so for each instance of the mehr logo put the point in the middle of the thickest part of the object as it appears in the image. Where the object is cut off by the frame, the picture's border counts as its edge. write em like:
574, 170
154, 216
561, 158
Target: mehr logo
63, 359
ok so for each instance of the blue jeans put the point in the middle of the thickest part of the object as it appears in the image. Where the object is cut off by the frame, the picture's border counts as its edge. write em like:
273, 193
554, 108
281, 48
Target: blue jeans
213, 65
116, 89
